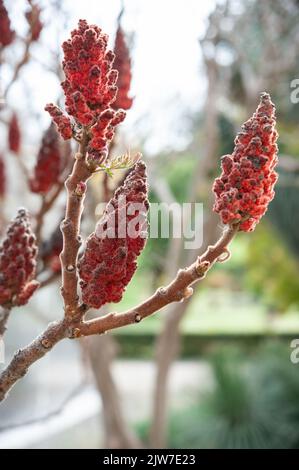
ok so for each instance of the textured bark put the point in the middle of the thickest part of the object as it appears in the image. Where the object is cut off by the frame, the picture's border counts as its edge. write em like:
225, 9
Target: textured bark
24, 358
178, 290
70, 228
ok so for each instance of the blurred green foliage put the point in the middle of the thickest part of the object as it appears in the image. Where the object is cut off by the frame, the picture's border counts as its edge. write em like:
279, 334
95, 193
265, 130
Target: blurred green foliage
284, 213
272, 273
227, 133
178, 174
252, 404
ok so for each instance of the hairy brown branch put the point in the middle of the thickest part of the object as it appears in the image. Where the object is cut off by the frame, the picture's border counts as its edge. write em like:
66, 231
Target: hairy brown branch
55, 332
24, 358
178, 290
70, 228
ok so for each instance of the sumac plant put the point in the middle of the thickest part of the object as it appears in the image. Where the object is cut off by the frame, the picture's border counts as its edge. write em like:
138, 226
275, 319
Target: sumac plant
98, 271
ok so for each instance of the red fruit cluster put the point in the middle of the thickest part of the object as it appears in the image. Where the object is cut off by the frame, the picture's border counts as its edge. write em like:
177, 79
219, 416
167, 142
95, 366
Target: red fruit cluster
102, 133
62, 122
48, 165
90, 88
122, 64
7, 35
108, 263
34, 21
2, 178
245, 187
18, 253
14, 134
51, 249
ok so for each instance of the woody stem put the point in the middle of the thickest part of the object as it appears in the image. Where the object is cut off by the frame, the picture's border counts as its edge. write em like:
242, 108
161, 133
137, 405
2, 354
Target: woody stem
70, 228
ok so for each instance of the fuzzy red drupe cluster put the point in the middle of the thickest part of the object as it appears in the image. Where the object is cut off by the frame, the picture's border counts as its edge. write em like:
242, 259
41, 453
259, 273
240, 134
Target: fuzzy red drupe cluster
48, 165
7, 35
245, 187
90, 89
122, 64
14, 134
108, 264
18, 253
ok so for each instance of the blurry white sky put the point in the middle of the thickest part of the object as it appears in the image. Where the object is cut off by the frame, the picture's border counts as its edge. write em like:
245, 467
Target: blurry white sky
168, 82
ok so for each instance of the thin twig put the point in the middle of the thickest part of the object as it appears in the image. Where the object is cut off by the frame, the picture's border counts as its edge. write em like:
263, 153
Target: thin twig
46, 205
4, 315
18, 67
70, 228
52, 414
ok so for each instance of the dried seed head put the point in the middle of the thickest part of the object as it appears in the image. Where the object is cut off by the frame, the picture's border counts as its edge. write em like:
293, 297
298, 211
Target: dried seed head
89, 88
245, 187
18, 253
108, 264
122, 64
48, 166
